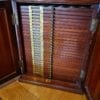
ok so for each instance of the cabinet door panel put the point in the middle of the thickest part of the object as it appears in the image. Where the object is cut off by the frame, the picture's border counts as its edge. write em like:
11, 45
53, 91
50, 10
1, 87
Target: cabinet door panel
93, 76
8, 48
5, 52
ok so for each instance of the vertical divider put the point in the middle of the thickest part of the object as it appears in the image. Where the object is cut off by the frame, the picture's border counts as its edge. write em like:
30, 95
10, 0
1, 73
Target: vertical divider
52, 43
41, 38
36, 34
31, 36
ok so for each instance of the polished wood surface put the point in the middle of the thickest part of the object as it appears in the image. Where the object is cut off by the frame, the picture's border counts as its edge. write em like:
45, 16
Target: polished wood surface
22, 91
70, 28
47, 29
93, 78
5, 50
67, 22
97, 91
15, 91
56, 84
71, 42
61, 1
8, 49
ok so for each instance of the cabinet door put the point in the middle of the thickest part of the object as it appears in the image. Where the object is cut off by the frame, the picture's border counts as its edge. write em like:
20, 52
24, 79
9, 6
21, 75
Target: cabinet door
8, 48
93, 78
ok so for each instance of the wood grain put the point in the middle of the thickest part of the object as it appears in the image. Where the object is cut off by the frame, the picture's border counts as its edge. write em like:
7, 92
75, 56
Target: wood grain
15, 91
70, 28
71, 42
8, 48
93, 79
22, 91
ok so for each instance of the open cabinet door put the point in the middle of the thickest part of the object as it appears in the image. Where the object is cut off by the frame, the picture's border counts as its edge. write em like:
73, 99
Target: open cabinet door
8, 45
93, 77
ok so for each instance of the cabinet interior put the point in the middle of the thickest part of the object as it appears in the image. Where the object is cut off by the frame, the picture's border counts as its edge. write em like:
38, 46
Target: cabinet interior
56, 41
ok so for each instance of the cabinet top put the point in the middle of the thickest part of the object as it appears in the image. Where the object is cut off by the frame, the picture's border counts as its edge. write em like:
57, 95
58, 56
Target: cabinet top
61, 1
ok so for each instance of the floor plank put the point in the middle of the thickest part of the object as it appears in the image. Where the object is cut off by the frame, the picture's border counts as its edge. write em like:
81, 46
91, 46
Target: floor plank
23, 91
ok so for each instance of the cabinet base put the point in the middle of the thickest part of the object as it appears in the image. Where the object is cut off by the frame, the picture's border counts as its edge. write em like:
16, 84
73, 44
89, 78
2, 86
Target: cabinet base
8, 77
56, 84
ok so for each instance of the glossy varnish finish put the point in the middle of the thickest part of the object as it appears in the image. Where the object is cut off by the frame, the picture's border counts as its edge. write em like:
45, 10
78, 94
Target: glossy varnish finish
69, 29
8, 50
22, 91
4, 51
71, 42
93, 78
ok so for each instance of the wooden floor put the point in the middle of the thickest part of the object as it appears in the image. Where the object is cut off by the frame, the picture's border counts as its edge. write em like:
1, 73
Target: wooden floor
23, 91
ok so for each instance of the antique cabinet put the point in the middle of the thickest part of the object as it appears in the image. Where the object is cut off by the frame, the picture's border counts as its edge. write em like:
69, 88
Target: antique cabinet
55, 41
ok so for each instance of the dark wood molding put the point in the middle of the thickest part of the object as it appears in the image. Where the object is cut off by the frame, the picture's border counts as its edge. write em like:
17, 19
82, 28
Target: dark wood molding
92, 78
8, 77
56, 84
60, 1
17, 30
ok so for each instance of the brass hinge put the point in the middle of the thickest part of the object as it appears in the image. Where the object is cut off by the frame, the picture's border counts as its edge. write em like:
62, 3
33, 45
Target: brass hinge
21, 66
94, 24
82, 74
14, 19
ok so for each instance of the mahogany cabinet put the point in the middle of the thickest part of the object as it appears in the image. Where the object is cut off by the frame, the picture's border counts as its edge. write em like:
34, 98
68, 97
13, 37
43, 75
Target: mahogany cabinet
55, 42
